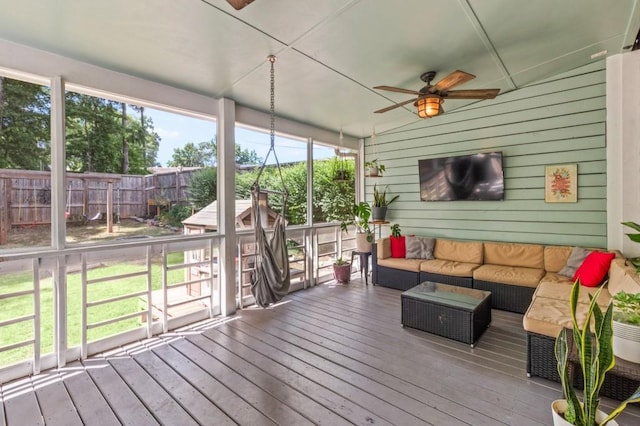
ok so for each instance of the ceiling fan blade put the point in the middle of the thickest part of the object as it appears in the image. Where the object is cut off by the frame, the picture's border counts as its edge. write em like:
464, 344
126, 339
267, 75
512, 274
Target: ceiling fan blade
397, 89
471, 94
453, 79
389, 108
239, 4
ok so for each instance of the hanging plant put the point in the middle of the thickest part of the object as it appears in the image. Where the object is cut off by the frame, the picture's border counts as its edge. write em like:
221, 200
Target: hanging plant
373, 168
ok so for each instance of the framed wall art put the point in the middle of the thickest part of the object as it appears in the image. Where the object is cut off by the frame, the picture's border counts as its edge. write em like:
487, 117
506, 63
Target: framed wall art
561, 183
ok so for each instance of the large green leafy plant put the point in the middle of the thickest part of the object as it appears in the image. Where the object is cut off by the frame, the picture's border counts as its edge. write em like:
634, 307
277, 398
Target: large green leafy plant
360, 215
595, 354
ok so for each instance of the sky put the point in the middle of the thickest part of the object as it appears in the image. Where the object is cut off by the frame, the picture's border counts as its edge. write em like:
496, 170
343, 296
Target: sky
176, 130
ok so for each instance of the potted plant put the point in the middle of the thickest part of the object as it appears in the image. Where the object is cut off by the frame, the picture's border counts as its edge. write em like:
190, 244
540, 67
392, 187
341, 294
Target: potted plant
635, 238
380, 203
626, 326
397, 242
595, 355
342, 271
360, 215
373, 168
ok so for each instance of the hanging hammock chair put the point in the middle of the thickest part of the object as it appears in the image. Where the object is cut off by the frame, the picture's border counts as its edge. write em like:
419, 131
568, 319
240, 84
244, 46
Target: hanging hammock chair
270, 281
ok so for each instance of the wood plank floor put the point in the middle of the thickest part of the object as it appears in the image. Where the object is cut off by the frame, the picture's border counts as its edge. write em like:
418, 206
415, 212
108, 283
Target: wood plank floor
333, 355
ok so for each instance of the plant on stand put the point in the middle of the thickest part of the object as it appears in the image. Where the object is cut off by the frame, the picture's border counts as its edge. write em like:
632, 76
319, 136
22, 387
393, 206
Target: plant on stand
342, 271
595, 355
626, 314
626, 326
360, 215
380, 203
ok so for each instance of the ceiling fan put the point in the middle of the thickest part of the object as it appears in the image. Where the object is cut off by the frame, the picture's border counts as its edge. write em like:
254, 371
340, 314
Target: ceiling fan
431, 97
239, 4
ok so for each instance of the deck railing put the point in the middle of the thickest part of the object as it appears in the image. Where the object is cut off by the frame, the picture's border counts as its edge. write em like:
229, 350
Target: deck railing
112, 294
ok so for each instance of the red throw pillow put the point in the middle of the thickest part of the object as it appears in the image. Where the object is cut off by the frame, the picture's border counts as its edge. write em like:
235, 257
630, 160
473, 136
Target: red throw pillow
594, 268
398, 246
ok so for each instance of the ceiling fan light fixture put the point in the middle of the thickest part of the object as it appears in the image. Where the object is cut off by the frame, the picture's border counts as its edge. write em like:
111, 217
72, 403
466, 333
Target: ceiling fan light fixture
429, 106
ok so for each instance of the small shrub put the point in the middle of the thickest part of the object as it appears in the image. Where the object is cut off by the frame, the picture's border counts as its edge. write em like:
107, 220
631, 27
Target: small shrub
176, 214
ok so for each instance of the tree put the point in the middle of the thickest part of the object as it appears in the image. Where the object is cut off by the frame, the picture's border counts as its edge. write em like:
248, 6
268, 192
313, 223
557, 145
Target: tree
102, 137
125, 145
203, 186
192, 155
332, 200
205, 154
244, 156
24, 125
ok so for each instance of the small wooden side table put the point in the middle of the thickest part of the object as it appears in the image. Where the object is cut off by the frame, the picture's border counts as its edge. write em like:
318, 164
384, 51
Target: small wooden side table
378, 224
363, 258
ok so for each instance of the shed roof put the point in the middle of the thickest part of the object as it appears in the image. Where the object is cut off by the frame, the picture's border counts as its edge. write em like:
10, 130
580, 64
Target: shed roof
207, 217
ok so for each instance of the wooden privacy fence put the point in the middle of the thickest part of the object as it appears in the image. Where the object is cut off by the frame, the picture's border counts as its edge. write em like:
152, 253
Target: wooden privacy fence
26, 195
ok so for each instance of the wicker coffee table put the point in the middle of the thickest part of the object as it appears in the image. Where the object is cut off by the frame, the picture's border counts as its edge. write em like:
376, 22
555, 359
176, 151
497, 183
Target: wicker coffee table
458, 313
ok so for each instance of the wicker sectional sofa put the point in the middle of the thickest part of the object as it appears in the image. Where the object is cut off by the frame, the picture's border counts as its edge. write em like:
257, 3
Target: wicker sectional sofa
522, 278
511, 271
549, 312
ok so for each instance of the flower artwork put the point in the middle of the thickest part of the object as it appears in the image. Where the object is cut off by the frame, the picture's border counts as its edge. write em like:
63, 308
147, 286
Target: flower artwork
561, 183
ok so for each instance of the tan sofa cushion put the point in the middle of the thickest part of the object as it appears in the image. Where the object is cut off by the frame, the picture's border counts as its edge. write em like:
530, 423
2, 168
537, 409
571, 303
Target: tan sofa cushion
561, 290
555, 257
555, 278
623, 276
548, 316
514, 254
384, 248
526, 277
448, 267
458, 251
398, 263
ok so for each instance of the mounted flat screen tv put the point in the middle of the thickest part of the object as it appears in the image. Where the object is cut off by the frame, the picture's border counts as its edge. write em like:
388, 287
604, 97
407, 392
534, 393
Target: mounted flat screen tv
465, 177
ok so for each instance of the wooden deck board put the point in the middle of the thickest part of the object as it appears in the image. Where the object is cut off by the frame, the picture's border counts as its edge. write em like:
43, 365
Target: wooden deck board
55, 403
182, 392
263, 381
20, 404
91, 405
126, 405
156, 399
332, 355
184, 352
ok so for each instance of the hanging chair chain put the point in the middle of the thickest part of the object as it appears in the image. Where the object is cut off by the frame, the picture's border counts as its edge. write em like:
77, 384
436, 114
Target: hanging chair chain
272, 134
272, 108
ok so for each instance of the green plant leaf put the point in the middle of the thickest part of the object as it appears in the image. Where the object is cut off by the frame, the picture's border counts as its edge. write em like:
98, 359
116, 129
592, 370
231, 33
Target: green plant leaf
632, 225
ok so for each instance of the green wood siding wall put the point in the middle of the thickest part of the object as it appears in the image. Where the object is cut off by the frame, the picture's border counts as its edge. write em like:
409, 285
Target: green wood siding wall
560, 120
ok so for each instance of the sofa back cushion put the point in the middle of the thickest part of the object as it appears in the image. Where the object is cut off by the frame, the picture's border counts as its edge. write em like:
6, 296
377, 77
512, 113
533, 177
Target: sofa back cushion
383, 248
419, 247
555, 257
514, 254
459, 251
623, 276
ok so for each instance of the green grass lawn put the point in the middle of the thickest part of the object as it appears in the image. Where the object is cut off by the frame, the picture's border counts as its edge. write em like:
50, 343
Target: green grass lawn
23, 305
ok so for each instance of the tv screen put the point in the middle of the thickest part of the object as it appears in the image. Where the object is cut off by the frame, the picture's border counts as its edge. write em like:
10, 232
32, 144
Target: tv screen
465, 177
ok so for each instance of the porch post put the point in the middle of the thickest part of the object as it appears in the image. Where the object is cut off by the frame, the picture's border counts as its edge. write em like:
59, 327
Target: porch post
58, 220
226, 205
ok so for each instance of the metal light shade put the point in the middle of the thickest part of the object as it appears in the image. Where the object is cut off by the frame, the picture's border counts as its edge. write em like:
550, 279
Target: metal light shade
429, 107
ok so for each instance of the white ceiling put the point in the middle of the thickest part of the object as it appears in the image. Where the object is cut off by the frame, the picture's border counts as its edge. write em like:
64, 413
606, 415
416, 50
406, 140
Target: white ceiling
330, 52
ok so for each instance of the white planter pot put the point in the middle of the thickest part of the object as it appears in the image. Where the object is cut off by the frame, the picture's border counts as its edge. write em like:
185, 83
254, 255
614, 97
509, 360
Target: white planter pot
560, 405
626, 341
372, 172
363, 242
